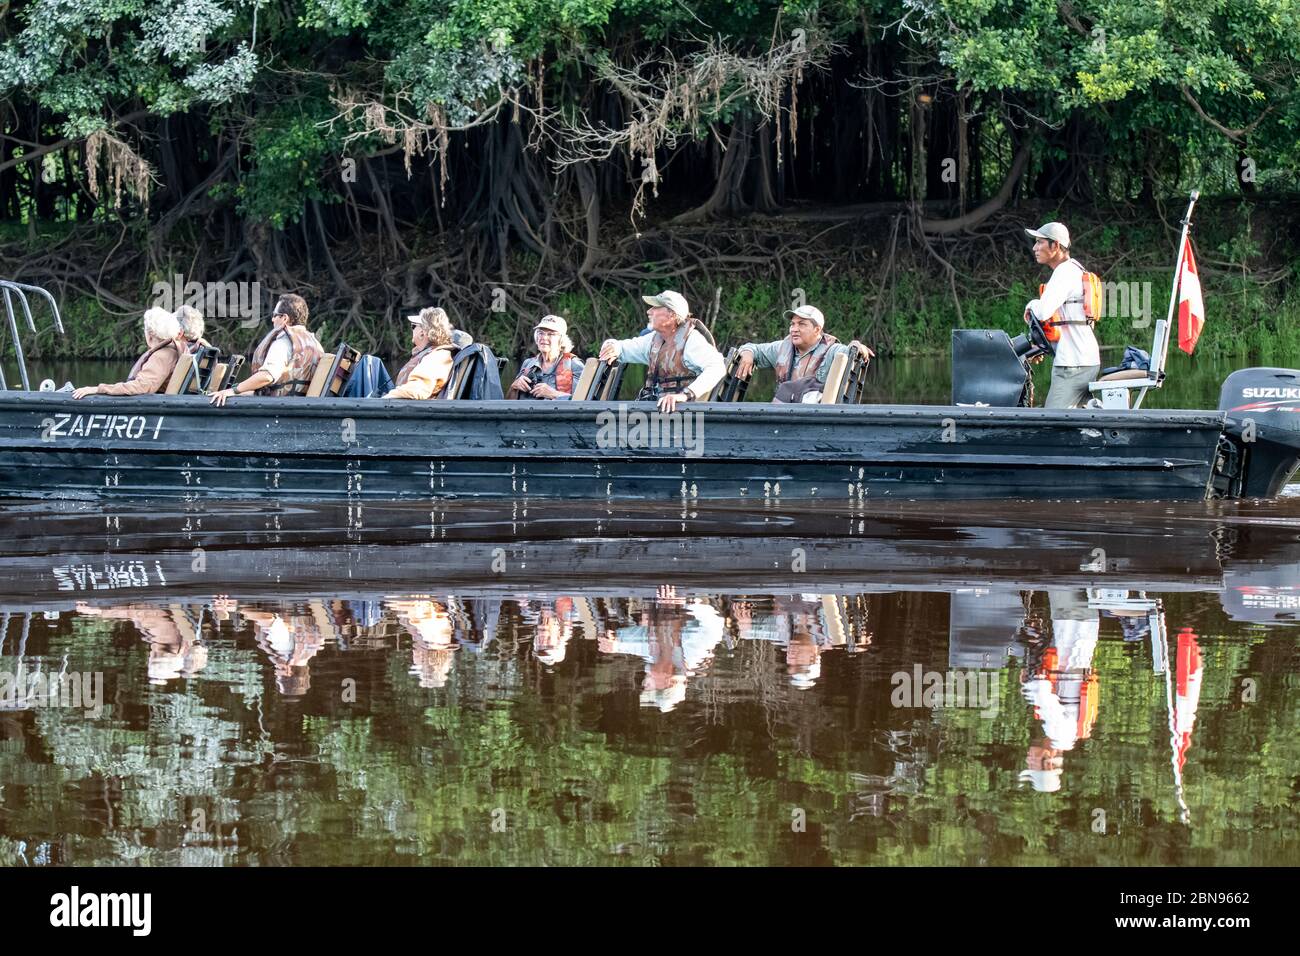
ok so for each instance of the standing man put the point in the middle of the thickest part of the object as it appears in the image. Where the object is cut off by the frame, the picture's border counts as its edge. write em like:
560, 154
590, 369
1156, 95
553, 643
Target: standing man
682, 366
1078, 360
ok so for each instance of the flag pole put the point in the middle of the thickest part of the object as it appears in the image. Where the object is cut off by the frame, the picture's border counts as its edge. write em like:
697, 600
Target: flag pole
1178, 268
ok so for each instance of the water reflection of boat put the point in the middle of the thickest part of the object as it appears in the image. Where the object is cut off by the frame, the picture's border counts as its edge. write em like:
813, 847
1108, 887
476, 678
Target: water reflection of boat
53, 555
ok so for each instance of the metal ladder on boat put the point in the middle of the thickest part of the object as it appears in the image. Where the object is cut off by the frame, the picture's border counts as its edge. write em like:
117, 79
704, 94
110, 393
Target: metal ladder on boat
9, 288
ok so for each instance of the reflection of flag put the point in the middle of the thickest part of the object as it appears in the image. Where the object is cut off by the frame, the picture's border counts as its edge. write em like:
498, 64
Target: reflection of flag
1191, 306
1188, 667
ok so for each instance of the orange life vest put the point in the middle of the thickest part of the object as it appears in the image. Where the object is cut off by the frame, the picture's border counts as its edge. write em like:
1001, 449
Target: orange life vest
1091, 302
306, 354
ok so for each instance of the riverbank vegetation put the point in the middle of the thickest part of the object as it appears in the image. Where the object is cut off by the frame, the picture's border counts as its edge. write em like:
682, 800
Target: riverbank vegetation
510, 157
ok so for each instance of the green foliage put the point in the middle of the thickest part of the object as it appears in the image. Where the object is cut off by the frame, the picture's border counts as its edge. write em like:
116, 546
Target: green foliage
289, 149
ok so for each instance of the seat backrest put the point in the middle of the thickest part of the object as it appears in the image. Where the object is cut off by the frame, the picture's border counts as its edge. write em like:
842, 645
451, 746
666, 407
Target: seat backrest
321, 376
730, 388
182, 374
460, 375
218, 380
339, 366
1159, 351
855, 377
834, 386
582, 390
608, 386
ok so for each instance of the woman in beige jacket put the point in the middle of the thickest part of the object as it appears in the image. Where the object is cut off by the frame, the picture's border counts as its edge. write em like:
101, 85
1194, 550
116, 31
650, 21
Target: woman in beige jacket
152, 370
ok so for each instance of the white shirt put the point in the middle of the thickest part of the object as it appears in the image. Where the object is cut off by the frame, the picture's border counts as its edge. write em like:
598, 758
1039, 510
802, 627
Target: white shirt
278, 357
1064, 292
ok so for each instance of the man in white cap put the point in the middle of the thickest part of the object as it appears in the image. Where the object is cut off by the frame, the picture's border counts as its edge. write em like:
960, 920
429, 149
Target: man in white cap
1078, 360
682, 365
554, 370
801, 358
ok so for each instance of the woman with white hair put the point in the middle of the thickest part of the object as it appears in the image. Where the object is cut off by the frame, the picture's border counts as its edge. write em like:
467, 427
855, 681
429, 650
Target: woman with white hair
153, 369
554, 370
192, 328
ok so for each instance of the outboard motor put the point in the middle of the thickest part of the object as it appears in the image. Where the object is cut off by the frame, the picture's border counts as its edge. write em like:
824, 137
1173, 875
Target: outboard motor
1260, 450
989, 367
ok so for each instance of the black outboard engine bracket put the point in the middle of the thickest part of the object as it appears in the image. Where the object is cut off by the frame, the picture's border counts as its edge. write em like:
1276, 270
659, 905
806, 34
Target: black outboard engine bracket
1261, 448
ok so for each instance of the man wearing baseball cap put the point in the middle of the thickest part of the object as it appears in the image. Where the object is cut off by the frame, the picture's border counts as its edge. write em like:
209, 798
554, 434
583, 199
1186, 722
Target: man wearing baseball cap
1078, 360
682, 365
800, 359
552, 372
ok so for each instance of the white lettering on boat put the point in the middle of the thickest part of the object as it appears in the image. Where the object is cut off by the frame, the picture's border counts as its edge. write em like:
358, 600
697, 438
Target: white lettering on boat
1270, 393
105, 426
106, 577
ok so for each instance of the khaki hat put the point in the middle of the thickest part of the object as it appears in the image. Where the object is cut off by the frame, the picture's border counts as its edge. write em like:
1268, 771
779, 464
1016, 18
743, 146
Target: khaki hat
553, 322
1054, 231
669, 299
809, 312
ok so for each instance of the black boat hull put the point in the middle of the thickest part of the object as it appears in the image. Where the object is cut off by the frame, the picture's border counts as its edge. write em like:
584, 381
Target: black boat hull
298, 449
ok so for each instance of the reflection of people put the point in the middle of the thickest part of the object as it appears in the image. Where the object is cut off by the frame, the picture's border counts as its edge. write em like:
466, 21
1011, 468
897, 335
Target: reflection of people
291, 640
675, 639
797, 624
433, 649
1062, 687
174, 649
552, 628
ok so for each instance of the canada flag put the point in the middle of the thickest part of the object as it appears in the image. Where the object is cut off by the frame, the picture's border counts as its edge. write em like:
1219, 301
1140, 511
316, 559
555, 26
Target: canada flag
1191, 307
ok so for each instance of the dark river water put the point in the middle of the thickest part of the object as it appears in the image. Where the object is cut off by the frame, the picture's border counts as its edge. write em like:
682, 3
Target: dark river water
1052, 684
980, 684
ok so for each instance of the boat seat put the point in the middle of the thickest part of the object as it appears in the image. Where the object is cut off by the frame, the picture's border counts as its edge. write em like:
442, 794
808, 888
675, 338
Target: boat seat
583, 389
460, 376
833, 390
192, 372
600, 381
321, 375
729, 388
855, 377
338, 367
1116, 388
1125, 375
218, 380
179, 372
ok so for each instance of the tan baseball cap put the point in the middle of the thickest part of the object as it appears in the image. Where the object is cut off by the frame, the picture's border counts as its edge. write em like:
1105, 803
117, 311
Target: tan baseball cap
669, 300
809, 312
553, 322
1055, 231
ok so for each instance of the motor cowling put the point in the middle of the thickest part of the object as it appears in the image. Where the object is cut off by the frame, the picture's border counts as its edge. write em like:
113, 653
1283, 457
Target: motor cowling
1263, 406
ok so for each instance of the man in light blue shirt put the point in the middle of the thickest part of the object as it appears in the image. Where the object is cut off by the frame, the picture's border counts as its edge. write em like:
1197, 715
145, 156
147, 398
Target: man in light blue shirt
682, 365
802, 357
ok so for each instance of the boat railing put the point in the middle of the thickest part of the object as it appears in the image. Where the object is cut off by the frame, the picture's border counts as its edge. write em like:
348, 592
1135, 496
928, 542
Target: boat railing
10, 289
